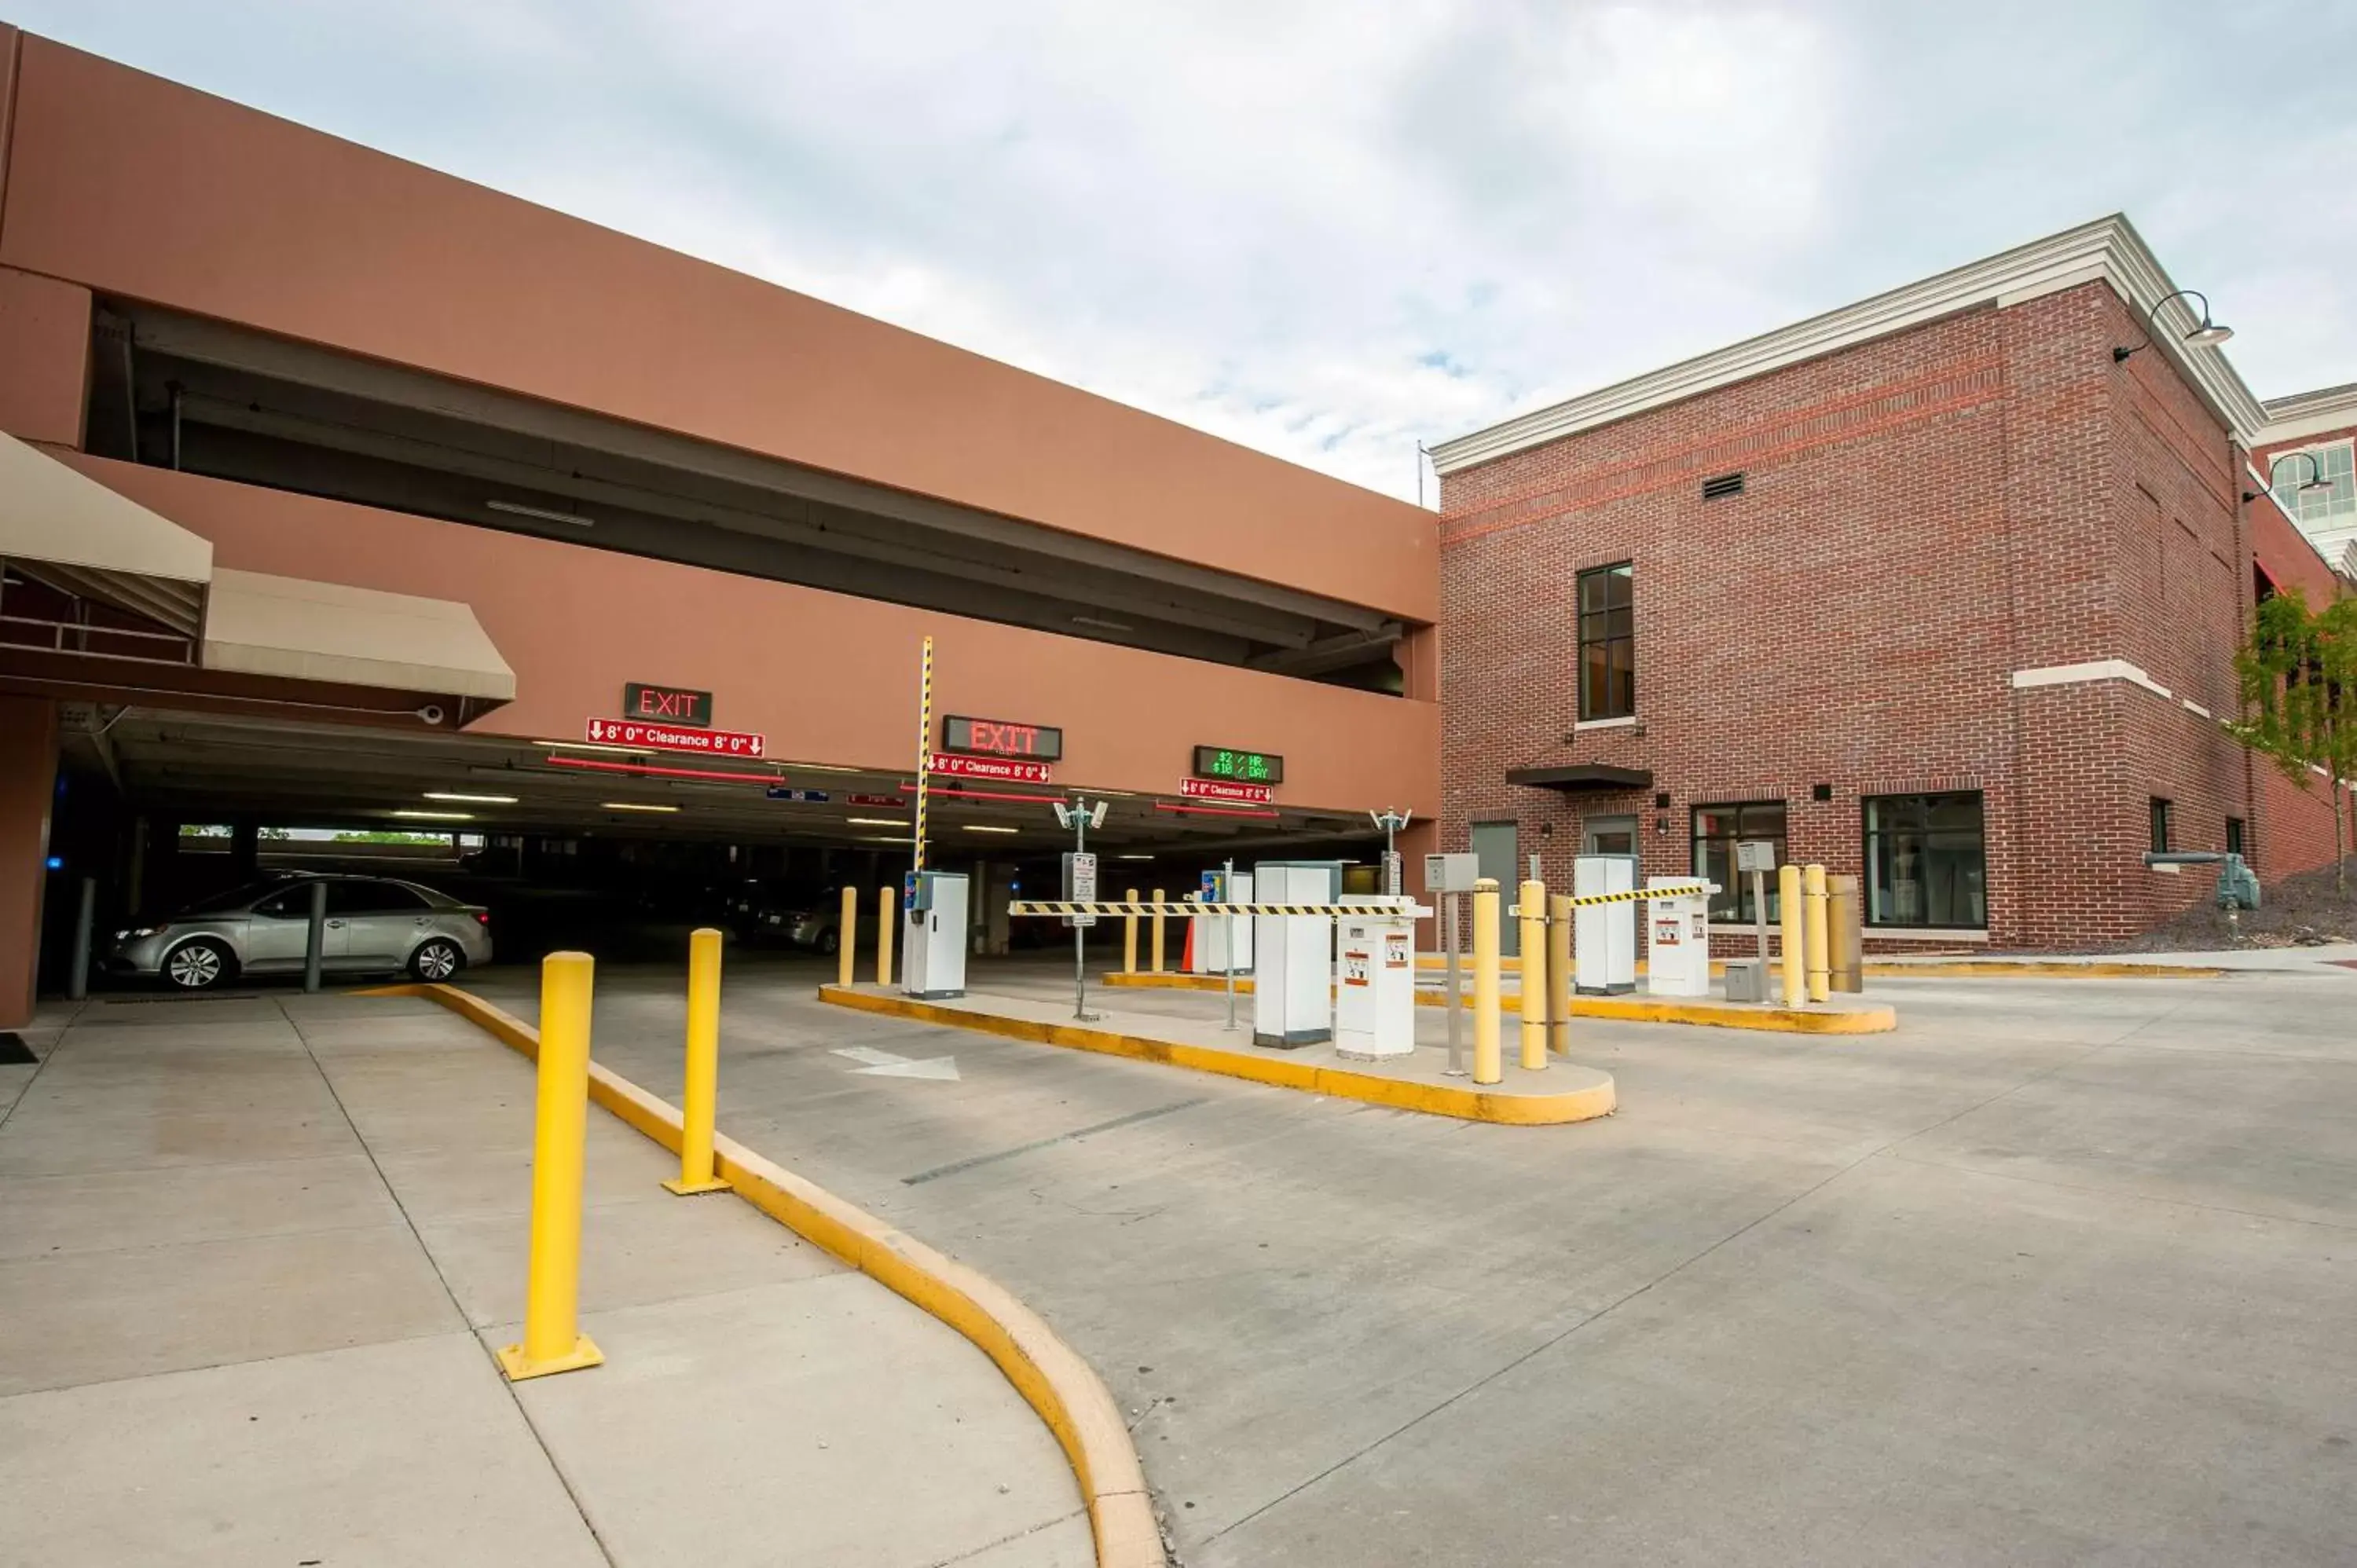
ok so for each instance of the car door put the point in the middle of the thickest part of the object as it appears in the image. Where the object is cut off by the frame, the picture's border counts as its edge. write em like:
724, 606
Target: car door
380, 921
279, 931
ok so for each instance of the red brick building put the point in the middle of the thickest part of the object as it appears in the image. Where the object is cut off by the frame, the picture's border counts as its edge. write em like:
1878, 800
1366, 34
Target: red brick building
1933, 588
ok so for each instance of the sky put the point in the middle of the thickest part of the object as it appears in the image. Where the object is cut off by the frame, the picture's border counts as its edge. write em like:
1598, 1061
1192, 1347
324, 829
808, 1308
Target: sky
1333, 231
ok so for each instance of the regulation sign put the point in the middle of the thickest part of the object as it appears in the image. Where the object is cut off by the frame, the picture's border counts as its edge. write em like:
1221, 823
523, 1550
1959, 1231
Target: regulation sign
1080, 883
1220, 789
876, 799
674, 738
1006, 769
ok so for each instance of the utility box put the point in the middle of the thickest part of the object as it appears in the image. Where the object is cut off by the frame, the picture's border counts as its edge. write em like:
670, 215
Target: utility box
1845, 934
1604, 936
1212, 932
1292, 955
1451, 873
933, 940
1747, 980
2238, 888
1677, 942
1374, 994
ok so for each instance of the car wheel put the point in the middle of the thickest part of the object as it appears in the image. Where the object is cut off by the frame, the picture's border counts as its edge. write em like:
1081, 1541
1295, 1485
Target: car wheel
830, 941
198, 965
437, 961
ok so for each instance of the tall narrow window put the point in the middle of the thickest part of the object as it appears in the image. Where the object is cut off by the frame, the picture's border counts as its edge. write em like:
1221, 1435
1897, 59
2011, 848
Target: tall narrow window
2334, 496
2160, 812
1607, 643
2233, 835
1717, 831
1926, 863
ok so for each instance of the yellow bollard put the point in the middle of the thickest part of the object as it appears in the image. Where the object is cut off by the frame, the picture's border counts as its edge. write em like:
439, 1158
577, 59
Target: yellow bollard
1489, 1062
1129, 937
1789, 918
887, 911
846, 937
1558, 975
553, 1340
1531, 900
1819, 932
1155, 944
700, 1088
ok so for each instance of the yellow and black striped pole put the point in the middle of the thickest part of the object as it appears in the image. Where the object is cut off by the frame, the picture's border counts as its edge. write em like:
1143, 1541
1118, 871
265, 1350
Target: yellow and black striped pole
924, 753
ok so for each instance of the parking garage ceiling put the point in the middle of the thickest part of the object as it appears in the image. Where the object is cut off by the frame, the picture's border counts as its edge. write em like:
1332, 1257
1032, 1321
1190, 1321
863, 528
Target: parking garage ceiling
218, 768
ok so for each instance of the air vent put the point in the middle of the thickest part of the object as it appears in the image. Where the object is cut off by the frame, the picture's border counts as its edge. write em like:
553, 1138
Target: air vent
1724, 484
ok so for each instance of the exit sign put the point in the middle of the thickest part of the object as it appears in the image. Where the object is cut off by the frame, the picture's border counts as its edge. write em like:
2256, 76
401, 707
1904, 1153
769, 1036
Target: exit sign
666, 704
1003, 738
1243, 767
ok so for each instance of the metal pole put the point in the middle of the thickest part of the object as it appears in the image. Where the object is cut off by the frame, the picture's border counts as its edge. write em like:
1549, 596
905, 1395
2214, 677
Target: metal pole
314, 941
1228, 894
699, 1091
553, 1340
85, 915
1532, 901
1489, 1065
1080, 933
924, 753
846, 937
1818, 933
1558, 973
1449, 940
1759, 924
1788, 896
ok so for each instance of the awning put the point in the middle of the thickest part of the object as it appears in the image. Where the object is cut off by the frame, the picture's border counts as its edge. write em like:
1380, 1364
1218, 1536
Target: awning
83, 539
286, 626
1581, 776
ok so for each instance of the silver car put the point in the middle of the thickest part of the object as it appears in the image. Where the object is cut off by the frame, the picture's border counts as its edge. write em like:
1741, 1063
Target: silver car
372, 924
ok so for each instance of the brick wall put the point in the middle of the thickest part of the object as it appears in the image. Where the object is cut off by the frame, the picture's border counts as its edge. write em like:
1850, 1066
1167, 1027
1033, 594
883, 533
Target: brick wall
1922, 516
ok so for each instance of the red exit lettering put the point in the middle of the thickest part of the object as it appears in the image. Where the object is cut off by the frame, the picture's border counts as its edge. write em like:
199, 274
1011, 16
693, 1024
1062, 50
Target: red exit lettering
1006, 740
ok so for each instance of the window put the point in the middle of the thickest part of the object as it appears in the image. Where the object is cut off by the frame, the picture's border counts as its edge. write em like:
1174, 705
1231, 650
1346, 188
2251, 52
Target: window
1924, 861
1607, 643
1717, 831
2160, 825
295, 904
2337, 497
361, 898
2233, 835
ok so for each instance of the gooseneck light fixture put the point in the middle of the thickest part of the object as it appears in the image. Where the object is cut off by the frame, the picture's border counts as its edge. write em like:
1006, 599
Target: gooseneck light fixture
2209, 335
2315, 480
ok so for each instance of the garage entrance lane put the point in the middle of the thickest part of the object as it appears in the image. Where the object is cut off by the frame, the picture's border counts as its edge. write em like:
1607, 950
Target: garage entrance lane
1354, 1335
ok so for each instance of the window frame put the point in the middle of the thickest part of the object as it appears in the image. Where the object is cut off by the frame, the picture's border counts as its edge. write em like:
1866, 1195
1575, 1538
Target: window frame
1869, 887
1598, 707
1732, 905
2338, 498
2161, 816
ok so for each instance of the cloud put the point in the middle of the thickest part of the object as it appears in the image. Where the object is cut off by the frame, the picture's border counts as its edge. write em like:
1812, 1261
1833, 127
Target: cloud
1329, 231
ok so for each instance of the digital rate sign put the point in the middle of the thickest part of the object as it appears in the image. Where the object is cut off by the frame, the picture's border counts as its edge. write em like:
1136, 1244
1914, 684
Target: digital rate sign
1003, 738
1243, 767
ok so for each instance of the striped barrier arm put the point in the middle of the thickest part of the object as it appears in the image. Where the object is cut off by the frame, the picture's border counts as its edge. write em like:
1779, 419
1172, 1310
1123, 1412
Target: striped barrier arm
1630, 895
1175, 906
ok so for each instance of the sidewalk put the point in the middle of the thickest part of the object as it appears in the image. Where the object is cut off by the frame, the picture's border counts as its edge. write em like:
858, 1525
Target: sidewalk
255, 1253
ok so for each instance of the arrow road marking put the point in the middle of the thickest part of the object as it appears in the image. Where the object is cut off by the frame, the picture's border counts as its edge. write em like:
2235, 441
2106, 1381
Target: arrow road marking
884, 1064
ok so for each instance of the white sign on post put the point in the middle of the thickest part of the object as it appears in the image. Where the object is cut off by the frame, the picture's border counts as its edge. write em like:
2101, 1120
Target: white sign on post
1084, 885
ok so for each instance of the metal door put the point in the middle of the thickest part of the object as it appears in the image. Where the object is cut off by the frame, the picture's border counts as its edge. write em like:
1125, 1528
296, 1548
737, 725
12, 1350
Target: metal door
1496, 853
1607, 835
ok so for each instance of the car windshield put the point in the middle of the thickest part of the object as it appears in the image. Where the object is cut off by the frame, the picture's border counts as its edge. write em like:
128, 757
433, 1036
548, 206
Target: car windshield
235, 899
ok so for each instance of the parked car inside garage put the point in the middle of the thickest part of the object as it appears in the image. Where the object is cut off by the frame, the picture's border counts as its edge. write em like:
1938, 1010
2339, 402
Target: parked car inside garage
374, 924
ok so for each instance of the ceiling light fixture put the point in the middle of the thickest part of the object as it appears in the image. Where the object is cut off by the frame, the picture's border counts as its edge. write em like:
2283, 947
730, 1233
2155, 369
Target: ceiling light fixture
987, 828
632, 806
874, 822
1102, 624
516, 508
470, 799
1133, 857
436, 816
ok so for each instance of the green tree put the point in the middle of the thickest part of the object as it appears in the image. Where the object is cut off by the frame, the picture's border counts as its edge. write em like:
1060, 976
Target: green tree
2299, 699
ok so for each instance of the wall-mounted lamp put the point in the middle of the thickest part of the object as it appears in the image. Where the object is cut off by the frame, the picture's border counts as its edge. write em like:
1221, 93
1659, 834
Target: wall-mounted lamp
2315, 480
2209, 335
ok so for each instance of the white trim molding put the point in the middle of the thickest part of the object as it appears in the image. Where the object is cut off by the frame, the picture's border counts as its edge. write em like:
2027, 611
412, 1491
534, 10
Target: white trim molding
2108, 249
2325, 412
2096, 670
1911, 934
2195, 708
1621, 723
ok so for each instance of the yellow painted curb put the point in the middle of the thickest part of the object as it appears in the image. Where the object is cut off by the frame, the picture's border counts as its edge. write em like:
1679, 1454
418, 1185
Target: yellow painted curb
1893, 968
1871, 1020
1050, 1376
1281, 1073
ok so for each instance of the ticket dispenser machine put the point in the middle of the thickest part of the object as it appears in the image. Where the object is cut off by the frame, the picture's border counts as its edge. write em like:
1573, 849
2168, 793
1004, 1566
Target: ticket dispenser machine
933, 934
1677, 940
1604, 936
1209, 952
1375, 980
1292, 968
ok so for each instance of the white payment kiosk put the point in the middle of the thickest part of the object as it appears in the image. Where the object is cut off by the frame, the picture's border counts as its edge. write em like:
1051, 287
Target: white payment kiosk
1209, 954
1374, 972
1677, 940
1604, 936
934, 934
1292, 968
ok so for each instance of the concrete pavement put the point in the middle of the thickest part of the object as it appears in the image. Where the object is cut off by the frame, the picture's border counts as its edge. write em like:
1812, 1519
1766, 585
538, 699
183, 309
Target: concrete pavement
2057, 1272
255, 1254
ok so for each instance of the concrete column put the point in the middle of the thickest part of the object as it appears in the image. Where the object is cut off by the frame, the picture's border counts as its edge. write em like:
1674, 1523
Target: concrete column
29, 783
244, 849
